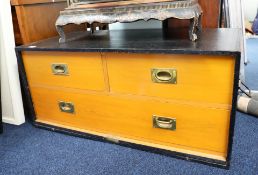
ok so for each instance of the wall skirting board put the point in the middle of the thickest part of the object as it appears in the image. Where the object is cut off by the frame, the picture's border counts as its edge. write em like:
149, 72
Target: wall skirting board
11, 120
12, 106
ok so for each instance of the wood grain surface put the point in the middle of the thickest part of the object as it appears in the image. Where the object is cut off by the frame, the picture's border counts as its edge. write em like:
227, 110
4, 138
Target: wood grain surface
200, 79
35, 20
116, 97
120, 100
129, 116
85, 69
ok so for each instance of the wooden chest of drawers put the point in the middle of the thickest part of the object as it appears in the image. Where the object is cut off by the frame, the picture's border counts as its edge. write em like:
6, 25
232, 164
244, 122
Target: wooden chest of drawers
154, 93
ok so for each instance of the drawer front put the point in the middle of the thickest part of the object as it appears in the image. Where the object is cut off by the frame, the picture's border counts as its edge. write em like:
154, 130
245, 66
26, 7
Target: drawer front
132, 117
74, 70
195, 78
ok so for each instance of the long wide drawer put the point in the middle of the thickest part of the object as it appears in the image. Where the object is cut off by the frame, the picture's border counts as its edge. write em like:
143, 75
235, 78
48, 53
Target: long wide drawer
65, 69
193, 78
203, 130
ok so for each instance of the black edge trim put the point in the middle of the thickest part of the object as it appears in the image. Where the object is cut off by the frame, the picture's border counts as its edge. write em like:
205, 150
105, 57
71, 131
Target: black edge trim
183, 156
131, 50
25, 86
234, 106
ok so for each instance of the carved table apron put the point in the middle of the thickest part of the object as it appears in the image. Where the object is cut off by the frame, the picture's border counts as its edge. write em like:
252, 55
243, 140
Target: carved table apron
183, 9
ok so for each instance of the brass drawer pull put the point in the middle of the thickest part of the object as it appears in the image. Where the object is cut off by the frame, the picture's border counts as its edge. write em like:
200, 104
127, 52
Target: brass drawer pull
60, 69
164, 123
162, 75
67, 107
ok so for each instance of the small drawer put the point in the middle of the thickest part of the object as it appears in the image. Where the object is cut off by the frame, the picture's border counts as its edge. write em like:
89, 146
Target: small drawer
172, 125
192, 78
73, 70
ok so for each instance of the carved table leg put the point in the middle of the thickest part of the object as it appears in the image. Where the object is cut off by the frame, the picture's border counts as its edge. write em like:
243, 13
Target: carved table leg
92, 28
199, 25
61, 33
193, 29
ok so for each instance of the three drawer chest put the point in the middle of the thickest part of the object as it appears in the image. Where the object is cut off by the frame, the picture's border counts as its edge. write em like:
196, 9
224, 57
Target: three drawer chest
147, 89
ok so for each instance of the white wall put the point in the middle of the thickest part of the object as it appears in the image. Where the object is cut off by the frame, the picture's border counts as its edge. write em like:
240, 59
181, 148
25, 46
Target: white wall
151, 24
250, 9
12, 106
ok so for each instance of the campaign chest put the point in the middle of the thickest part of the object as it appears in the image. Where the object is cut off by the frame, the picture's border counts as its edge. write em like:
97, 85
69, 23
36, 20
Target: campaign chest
139, 88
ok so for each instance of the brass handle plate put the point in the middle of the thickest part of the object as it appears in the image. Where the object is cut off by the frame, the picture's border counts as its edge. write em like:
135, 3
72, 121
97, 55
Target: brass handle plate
164, 75
67, 107
164, 123
60, 69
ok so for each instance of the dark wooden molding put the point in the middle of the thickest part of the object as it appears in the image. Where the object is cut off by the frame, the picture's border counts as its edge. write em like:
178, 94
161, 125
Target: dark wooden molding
27, 2
211, 15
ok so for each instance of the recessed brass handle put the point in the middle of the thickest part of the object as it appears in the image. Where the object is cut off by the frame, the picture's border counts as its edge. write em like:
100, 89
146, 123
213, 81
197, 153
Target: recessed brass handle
164, 123
60, 69
67, 107
164, 75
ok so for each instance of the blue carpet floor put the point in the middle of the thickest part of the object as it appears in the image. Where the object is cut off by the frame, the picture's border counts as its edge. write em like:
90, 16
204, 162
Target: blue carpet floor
28, 150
